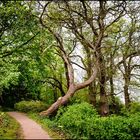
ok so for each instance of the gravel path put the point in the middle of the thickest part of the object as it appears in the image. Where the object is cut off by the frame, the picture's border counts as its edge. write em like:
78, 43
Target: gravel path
31, 130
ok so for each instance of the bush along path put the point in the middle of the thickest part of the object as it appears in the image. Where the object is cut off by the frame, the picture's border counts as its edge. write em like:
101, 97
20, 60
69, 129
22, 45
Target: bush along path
31, 130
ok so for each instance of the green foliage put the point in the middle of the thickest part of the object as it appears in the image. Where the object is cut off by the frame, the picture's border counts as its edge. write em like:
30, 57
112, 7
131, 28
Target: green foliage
80, 121
74, 120
109, 128
9, 128
134, 108
134, 125
80, 96
8, 74
30, 106
16, 30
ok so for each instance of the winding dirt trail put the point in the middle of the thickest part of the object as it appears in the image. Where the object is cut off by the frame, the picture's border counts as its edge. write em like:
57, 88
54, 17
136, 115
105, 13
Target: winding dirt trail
31, 130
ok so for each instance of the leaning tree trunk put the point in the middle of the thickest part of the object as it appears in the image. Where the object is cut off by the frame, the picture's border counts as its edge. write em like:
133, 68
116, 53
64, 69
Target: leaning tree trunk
61, 101
71, 91
72, 87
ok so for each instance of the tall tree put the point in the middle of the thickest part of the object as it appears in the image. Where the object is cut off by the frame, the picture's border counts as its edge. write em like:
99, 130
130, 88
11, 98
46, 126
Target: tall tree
76, 17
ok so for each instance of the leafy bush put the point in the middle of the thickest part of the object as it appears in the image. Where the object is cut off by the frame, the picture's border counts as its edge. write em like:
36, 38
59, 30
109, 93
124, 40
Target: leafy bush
134, 107
134, 125
74, 120
109, 128
82, 121
9, 128
80, 96
30, 106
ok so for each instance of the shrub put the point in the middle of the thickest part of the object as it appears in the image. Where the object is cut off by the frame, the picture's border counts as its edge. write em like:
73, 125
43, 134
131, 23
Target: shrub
134, 107
75, 120
109, 128
30, 106
134, 125
82, 121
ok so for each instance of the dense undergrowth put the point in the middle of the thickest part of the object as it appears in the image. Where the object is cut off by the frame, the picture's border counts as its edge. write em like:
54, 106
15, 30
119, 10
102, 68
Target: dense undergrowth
9, 128
30, 106
81, 121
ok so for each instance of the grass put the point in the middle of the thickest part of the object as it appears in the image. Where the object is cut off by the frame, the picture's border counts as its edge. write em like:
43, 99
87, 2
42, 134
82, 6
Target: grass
9, 127
47, 126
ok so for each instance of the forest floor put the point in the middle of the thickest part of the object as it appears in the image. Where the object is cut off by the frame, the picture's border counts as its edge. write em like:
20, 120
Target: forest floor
31, 130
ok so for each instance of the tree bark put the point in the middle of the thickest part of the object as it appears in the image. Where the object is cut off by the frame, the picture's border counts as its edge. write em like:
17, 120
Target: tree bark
111, 81
66, 74
112, 89
104, 107
126, 75
126, 93
91, 87
92, 93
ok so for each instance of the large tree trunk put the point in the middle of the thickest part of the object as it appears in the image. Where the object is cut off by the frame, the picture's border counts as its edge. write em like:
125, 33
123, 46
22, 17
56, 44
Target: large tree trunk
111, 82
126, 75
72, 87
126, 93
91, 87
92, 93
104, 107
112, 90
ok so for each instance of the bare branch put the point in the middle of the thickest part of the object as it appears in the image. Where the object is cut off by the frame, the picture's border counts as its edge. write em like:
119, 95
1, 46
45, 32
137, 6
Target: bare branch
87, 82
78, 65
